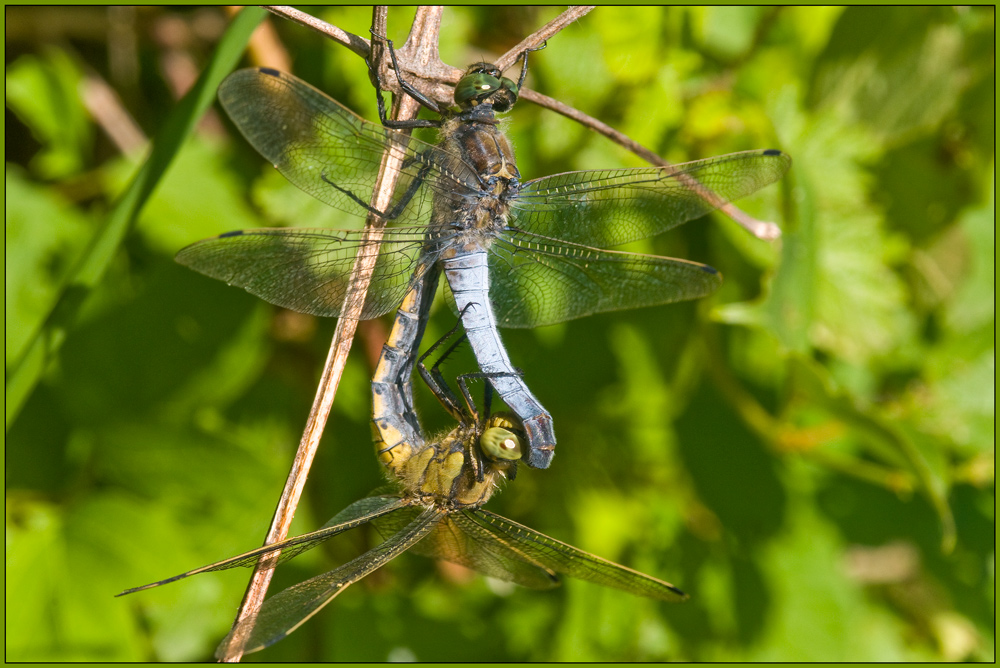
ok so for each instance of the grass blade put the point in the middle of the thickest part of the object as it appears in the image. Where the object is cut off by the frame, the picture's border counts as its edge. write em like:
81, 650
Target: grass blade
24, 373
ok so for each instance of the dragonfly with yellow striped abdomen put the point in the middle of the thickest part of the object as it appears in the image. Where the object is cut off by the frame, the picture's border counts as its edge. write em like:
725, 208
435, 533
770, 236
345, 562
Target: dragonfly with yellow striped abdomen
436, 510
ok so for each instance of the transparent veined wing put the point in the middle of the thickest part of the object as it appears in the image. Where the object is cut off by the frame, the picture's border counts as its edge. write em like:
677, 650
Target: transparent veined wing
607, 208
332, 153
356, 514
460, 542
309, 270
536, 281
549, 553
286, 611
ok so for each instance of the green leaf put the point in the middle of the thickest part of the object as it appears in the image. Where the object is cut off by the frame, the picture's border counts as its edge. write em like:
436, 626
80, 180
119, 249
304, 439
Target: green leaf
182, 328
817, 613
199, 197
729, 31
834, 289
44, 93
26, 371
899, 73
44, 237
974, 305
888, 438
32, 547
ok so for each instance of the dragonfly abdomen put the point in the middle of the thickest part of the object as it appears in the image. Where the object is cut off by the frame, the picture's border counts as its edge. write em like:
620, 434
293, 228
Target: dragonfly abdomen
468, 278
396, 431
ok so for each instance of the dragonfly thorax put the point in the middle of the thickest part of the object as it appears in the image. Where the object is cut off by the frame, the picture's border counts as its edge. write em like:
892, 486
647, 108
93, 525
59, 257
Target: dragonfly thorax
490, 154
481, 144
446, 470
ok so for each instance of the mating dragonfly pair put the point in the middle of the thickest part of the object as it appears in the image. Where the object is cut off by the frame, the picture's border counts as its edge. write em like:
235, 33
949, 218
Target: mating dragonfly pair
513, 254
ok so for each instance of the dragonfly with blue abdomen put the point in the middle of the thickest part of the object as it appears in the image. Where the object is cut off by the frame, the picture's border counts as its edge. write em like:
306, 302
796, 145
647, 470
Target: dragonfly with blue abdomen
514, 254
436, 510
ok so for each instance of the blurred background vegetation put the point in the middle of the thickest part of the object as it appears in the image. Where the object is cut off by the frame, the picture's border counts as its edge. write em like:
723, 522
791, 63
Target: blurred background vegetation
809, 452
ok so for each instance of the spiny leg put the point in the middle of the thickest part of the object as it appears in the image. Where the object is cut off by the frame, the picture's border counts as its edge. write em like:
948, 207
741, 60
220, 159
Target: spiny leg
407, 88
488, 391
524, 63
469, 416
400, 205
435, 379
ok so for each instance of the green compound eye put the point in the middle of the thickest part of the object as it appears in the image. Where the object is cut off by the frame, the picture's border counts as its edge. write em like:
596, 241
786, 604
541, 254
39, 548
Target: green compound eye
500, 444
505, 98
475, 86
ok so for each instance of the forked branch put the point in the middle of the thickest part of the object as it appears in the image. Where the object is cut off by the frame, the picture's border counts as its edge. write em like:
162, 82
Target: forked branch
436, 80
406, 108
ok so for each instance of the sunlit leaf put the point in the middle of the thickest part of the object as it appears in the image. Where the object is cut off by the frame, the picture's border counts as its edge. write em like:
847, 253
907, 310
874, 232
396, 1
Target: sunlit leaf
45, 93
44, 237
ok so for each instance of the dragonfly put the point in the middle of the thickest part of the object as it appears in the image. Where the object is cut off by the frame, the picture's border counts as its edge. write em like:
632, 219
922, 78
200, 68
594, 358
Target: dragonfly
514, 254
436, 509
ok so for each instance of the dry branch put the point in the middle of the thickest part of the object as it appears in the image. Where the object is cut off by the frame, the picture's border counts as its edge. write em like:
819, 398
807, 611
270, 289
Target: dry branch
336, 360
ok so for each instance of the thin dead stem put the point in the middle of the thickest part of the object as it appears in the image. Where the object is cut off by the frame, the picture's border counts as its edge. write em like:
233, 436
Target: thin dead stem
105, 107
759, 228
538, 38
265, 47
336, 360
358, 45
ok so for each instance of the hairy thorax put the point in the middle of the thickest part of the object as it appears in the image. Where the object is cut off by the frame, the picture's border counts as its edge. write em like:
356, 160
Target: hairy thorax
487, 150
442, 473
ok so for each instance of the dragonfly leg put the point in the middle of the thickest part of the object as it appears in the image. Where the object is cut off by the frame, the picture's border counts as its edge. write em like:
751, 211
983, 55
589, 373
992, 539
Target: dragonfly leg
488, 392
400, 205
439, 386
407, 88
524, 63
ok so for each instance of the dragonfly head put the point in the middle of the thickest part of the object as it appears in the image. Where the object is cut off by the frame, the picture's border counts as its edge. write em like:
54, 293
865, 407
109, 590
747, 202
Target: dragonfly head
483, 83
503, 439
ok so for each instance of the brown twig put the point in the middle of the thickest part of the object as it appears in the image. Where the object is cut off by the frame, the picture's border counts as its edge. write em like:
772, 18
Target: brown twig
340, 346
759, 228
105, 107
538, 38
425, 70
358, 45
435, 79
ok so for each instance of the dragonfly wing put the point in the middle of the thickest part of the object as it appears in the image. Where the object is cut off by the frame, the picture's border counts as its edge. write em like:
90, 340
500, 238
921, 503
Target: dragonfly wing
607, 208
309, 270
556, 556
483, 551
536, 281
286, 611
334, 154
462, 542
353, 516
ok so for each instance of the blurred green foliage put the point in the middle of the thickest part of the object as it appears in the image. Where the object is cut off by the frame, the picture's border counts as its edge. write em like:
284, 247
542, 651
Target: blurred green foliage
809, 453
